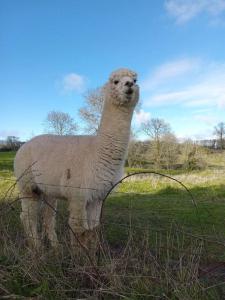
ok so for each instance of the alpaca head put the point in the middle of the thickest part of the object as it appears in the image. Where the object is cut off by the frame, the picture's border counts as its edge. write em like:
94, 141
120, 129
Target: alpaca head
122, 89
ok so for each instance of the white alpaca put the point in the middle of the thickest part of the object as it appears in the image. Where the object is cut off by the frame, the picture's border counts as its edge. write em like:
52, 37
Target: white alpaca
80, 169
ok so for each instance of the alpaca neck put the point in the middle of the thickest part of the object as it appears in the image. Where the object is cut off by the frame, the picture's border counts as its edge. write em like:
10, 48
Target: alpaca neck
115, 126
112, 142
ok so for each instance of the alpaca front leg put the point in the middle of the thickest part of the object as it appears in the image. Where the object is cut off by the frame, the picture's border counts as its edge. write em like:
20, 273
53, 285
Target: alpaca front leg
78, 223
90, 239
84, 221
49, 221
93, 211
29, 218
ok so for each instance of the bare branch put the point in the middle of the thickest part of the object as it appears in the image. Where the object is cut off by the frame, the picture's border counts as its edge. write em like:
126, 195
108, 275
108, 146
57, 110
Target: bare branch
60, 123
219, 131
91, 112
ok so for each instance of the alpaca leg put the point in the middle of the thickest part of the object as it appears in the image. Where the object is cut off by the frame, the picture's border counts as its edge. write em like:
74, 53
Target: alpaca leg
90, 239
93, 214
29, 218
77, 222
93, 210
49, 221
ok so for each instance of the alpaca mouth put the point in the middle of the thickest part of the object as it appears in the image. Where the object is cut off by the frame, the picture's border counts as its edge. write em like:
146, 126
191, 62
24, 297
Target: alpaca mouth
129, 92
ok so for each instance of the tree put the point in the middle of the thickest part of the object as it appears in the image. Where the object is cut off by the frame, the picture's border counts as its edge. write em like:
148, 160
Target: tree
170, 150
136, 156
156, 129
193, 156
92, 109
13, 143
219, 131
60, 123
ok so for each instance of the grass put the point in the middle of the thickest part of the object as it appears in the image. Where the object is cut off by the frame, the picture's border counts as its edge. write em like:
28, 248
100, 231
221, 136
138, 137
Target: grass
6, 174
157, 243
6, 161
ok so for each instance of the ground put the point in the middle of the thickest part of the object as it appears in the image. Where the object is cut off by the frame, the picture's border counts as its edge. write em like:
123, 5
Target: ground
158, 241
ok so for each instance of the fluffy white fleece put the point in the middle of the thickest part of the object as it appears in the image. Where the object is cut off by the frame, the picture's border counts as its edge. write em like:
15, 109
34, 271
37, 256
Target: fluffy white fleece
80, 169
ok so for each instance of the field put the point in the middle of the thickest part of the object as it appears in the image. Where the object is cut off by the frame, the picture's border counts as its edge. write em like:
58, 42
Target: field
160, 240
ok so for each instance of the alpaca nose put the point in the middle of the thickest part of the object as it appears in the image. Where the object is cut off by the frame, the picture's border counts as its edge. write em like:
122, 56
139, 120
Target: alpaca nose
129, 83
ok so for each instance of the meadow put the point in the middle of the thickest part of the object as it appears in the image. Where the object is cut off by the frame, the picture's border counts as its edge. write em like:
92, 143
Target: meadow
159, 240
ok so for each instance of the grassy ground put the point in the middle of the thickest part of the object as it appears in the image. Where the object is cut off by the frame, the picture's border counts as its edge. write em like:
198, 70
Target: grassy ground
160, 242
6, 172
6, 161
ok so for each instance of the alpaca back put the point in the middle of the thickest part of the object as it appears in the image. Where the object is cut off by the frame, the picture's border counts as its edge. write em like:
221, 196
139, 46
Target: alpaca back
53, 162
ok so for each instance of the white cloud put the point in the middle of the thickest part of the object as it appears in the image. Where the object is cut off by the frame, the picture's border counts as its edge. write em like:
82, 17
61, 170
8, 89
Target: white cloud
73, 82
141, 117
206, 89
207, 119
195, 128
202, 111
169, 71
185, 10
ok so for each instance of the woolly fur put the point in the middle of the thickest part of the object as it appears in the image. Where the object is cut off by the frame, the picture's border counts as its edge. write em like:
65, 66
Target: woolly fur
80, 169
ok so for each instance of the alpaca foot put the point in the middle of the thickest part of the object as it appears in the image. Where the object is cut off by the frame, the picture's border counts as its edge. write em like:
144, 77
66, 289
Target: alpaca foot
85, 243
90, 239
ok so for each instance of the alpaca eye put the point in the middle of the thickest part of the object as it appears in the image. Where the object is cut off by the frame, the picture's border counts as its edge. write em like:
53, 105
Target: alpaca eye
116, 81
135, 80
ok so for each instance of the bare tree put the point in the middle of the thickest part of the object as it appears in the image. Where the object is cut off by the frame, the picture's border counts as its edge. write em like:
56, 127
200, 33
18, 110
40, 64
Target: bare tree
156, 129
170, 150
219, 131
60, 123
193, 156
13, 143
136, 156
92, 109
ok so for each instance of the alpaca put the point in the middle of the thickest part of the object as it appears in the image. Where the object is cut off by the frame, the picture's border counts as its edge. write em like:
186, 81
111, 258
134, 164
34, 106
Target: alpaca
80, 169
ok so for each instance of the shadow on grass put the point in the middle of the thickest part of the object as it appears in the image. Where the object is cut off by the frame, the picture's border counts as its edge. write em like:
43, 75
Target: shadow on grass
216, 167
169, 207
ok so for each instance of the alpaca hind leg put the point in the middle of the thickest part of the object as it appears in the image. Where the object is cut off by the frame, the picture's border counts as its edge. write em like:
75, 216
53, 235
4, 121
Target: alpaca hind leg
29, 218
49, 221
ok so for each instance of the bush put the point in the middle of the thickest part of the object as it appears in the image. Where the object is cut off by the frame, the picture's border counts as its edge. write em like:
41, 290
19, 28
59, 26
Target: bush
193, 156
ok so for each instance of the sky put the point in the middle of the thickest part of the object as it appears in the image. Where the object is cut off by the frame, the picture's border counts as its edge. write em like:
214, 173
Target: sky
52, 52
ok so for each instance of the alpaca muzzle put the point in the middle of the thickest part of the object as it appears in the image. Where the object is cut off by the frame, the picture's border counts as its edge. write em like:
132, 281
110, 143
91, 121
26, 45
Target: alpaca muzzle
129, 92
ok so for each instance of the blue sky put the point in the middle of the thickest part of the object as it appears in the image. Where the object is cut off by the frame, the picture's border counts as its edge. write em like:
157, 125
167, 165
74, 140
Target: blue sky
51, 52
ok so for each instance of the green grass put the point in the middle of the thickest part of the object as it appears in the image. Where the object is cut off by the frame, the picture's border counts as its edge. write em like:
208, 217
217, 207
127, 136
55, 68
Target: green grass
164, 171
153, 230
6, 174
6, 161
140, 203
